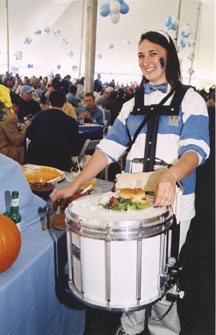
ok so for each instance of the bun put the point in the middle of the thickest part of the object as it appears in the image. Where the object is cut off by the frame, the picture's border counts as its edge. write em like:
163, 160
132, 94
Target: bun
136, 195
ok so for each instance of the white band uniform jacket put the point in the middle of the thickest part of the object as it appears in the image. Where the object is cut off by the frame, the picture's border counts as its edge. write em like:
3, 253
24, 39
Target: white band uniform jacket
177, 135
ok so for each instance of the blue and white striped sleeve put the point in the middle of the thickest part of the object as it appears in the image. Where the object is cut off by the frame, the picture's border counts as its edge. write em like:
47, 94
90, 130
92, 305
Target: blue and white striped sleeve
195, 131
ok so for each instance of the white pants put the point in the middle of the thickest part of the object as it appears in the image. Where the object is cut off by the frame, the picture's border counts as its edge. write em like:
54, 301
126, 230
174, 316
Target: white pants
133, 322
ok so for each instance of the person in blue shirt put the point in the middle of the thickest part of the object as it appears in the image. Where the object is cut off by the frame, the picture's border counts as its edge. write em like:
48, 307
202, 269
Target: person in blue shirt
90, 111
71, 96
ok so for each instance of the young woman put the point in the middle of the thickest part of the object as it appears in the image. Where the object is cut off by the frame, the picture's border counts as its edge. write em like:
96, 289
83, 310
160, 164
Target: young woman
181, 140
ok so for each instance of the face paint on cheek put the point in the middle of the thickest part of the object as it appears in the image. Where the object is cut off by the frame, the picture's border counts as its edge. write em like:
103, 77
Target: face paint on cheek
162, 63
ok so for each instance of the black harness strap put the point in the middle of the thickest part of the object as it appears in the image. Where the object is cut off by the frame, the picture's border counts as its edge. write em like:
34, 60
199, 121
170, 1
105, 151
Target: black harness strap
153, 113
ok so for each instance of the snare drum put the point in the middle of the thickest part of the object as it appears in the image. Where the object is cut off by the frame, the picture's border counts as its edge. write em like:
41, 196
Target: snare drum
117, 260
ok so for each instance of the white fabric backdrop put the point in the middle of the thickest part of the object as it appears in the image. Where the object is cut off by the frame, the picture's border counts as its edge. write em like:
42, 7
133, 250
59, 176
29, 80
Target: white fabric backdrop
116, 49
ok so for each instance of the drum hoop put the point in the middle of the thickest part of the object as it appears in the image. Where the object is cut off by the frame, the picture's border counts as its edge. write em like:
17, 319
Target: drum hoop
90, 303
121, 233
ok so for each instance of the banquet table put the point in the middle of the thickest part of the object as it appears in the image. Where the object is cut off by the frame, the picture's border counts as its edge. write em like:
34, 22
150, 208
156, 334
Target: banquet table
33, 298
91, 131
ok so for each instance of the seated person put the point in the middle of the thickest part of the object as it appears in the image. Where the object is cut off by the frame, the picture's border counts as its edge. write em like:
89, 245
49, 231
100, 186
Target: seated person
68, 108
12, 178
54, 136
71, 96
28, 104
44, 102
12, 138
90, 111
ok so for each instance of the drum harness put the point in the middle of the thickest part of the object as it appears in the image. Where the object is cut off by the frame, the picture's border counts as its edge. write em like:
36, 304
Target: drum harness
152, 115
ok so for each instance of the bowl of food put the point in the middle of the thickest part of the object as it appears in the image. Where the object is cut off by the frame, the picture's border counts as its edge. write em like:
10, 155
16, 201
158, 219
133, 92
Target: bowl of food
43, 190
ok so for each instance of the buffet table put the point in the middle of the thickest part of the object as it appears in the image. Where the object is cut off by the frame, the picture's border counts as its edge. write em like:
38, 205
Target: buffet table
33, 298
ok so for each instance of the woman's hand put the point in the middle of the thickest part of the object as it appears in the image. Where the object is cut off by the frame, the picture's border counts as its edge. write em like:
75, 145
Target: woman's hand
166, 186
63, 193
165, 190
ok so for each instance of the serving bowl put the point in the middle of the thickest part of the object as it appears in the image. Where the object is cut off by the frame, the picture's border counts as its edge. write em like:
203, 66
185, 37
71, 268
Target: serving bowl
43, 190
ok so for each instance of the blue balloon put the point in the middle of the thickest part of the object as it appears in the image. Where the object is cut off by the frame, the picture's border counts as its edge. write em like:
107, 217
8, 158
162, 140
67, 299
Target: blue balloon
29, 66
124, 8
105, 9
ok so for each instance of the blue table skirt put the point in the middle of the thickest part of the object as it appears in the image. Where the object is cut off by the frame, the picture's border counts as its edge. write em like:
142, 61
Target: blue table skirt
94, 132
28, 301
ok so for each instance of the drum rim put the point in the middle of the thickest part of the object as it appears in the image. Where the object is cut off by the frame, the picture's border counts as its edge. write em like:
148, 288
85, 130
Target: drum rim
120, 233
90, 303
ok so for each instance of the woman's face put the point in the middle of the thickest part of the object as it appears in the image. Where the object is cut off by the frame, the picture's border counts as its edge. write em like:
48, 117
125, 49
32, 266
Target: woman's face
152, 62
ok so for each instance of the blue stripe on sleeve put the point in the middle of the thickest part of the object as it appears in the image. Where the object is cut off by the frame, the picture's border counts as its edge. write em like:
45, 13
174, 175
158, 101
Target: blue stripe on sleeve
118, 133
196, 127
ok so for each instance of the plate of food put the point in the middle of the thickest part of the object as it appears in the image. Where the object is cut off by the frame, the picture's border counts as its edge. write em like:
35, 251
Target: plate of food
39, 173
128, 199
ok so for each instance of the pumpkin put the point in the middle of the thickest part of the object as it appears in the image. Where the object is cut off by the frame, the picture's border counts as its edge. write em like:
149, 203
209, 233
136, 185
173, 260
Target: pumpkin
10, 242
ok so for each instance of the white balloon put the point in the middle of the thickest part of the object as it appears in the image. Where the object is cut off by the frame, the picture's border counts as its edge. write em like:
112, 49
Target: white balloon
115, 7
115, 17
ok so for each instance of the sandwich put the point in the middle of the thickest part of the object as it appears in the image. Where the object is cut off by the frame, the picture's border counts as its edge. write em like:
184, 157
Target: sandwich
128, 199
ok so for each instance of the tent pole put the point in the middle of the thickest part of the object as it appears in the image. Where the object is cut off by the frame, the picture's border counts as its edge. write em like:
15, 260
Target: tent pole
81, 37
195, 37
90, 43
7, 35
178, 22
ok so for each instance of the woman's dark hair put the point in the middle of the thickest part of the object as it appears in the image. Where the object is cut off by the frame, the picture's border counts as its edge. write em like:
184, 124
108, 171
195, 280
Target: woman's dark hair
173, 72
15, 98
57, 98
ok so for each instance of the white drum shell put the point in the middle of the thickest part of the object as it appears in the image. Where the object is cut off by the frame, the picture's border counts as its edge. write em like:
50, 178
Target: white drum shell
104, 271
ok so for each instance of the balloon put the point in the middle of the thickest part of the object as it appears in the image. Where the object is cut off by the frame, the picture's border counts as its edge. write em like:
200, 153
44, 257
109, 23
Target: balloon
115, 7
27, 40
58, 66
47, 30
38, 32
29, 65
124, 8
18, 55
56, 32
70, 54
115, 17
105, 9
111, 46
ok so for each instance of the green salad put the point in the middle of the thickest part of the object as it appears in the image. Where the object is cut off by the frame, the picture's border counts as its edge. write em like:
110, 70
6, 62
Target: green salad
122, 204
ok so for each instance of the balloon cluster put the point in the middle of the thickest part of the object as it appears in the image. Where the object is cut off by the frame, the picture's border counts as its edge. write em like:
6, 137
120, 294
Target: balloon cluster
18, 55
191, 71
114, 8
38, 32
70, 54
27, 40
186, 32
74, 67
30, 66
191, 56
170, 23
57, 34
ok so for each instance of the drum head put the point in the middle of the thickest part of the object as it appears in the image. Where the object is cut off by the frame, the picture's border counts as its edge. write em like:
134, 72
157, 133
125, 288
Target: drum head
88, 212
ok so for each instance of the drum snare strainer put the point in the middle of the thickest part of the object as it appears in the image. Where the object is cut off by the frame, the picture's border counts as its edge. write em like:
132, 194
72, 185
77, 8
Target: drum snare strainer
117, 260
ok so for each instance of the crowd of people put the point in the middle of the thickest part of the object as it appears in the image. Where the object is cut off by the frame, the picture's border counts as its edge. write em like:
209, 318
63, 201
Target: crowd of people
31, 98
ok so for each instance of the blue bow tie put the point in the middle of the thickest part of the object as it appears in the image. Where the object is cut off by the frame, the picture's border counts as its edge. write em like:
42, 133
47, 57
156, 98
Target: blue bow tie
149, 88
